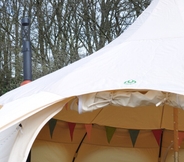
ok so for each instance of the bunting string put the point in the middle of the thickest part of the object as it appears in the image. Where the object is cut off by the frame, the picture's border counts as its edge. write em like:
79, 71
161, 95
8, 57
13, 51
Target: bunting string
110, 132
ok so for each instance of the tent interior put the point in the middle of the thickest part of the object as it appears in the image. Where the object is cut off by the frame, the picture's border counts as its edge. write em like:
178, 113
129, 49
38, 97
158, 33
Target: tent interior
112, 133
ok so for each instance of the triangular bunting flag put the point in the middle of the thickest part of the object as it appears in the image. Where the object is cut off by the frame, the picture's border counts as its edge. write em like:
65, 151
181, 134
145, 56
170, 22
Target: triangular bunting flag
181, 137
66, 106
109, 132
88, 130
52, 123
157, 133
133, 135
71, 128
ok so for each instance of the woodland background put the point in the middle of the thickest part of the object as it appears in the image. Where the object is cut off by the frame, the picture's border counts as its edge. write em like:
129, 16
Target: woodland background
62, 32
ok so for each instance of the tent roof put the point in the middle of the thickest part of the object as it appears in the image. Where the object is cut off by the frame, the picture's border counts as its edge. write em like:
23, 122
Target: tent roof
147, 56
149, 52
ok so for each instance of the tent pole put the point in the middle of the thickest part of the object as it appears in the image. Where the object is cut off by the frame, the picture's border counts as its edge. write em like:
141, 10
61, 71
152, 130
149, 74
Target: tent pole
76, 152
27, 64
176, 148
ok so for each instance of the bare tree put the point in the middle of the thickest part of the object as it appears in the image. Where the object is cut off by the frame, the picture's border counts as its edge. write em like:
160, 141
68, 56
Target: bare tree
62, 32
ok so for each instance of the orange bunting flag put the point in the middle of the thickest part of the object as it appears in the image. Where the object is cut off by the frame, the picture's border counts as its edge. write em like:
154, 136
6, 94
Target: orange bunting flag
52, 123
71, 128
88, 130
109, 132
157, 133
133, 135
181, 137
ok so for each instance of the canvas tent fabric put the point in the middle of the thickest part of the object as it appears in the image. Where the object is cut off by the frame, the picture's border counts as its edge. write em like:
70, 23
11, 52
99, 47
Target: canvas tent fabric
147, 57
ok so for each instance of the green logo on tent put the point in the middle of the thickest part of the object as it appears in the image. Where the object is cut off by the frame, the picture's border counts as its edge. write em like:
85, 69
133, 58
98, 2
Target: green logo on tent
128, 82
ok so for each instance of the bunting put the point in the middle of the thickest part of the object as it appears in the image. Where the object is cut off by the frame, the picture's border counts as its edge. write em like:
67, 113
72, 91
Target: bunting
71, 128
157, 133
88, 130
133, 135
181, 137
66, 106
52, 124
109, 132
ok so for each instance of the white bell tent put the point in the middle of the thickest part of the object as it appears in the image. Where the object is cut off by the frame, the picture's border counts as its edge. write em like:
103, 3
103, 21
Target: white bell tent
126, 91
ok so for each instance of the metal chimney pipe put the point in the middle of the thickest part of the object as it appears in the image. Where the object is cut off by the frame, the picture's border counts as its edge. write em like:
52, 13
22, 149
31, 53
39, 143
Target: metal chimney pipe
27, 63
